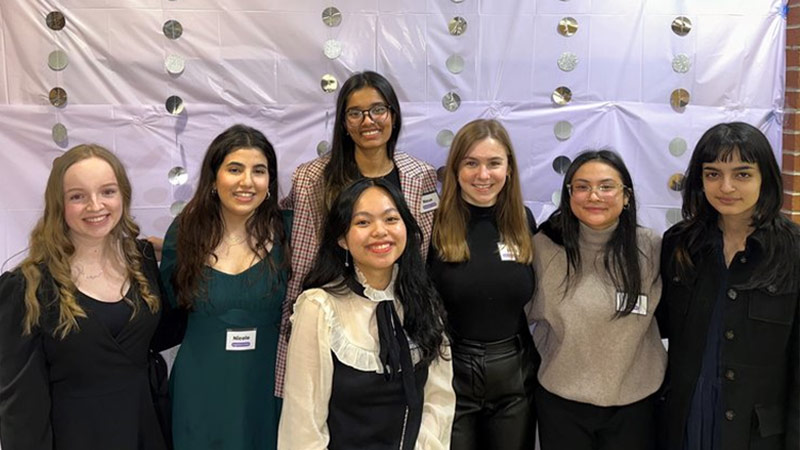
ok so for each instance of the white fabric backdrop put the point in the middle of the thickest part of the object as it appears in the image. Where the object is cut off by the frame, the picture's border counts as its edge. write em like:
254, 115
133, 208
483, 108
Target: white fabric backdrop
259, 62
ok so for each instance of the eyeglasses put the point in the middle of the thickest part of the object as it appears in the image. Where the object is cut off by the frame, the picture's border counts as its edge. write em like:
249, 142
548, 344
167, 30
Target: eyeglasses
605, 190
377, 113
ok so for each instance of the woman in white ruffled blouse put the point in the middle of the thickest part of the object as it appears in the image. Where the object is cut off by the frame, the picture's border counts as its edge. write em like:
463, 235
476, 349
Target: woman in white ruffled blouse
368, 365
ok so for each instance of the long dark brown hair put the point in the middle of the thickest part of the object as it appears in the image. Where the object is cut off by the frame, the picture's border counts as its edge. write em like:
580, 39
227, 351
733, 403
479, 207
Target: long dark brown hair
621, 253
201, 226
342, 169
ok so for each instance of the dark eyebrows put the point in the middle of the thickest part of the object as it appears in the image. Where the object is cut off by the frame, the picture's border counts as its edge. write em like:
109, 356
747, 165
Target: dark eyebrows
741, 168
238, 164
604, 180
385, 212
358, 108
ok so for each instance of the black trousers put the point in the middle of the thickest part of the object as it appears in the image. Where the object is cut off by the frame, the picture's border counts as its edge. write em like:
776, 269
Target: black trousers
494, 385
566, 424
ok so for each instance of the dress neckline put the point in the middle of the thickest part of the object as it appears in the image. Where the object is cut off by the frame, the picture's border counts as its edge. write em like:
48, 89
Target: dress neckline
257, 263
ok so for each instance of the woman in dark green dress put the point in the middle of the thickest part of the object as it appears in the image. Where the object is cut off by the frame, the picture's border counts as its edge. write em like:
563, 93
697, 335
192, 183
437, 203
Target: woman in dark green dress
224, 259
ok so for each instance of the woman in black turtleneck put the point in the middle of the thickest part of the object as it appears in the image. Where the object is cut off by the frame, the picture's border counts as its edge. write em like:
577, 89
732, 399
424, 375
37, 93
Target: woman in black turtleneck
481, 265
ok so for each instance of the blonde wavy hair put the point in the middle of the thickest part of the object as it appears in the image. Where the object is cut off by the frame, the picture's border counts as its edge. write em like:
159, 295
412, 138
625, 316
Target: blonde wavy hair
51, 248
450, 220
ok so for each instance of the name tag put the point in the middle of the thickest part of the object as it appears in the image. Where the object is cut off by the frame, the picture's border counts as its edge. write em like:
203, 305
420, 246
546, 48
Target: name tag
238, 340
430, 202
507, 253
640, 307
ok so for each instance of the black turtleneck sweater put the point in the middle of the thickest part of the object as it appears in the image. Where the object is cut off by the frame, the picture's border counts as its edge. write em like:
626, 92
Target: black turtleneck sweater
484, 296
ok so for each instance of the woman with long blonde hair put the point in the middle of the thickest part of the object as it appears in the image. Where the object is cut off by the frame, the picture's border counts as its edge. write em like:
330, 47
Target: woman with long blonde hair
77, 317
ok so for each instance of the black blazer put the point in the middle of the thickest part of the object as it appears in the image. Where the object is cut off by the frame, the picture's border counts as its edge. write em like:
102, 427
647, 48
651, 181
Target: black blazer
88, 391
760, 350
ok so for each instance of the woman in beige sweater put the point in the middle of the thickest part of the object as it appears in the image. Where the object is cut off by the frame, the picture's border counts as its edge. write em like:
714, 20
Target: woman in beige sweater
598, 287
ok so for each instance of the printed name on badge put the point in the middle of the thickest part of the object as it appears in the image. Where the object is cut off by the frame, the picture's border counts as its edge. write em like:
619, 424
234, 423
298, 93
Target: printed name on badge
238, 340
507, 253
430, 202
641, 304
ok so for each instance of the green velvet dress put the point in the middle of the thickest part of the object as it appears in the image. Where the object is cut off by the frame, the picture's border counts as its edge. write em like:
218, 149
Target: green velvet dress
224, 399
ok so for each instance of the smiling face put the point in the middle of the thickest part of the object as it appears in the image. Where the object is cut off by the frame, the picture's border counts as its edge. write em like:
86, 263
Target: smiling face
376, 237
597, 196
242, 182
732, 187
483, 172
92, 200
368, 133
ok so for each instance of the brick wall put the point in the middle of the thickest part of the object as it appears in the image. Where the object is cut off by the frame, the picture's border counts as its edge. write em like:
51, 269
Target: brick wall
791, 125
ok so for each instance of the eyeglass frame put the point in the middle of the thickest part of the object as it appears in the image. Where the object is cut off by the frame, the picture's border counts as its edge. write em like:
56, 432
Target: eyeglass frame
368, 112
597, 189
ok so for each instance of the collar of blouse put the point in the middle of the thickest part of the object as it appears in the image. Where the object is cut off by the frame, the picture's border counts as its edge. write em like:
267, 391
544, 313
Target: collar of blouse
377, 295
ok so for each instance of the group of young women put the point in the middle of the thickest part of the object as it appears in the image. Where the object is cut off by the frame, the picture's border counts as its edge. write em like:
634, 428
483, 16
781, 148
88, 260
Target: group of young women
363, 311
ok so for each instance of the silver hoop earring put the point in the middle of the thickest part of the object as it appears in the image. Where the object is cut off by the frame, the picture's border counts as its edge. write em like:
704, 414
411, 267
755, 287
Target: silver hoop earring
268, 195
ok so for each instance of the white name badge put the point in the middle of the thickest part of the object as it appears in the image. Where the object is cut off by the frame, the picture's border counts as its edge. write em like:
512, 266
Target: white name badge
430, 202
640, 307
238, 340
507, 253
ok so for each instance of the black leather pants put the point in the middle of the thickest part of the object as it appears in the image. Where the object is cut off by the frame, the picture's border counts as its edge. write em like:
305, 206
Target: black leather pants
494, 385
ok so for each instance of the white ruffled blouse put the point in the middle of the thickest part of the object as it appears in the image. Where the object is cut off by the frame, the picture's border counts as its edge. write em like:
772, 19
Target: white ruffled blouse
347, 326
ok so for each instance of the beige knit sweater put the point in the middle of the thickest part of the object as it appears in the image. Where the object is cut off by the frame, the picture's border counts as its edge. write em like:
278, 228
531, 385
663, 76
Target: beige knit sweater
588, 355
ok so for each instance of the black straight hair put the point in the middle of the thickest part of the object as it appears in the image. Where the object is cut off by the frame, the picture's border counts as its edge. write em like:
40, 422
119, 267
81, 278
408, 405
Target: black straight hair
423, 311
621, 255
777, 235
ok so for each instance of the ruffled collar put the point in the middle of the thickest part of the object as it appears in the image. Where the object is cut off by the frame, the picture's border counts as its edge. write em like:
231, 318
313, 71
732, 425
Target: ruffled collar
377, 295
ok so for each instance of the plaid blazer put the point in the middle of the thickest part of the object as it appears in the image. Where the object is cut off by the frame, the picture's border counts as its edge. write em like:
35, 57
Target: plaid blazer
417, 178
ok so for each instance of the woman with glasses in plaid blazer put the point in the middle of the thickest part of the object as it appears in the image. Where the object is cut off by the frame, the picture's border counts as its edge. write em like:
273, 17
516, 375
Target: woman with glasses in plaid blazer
368, 122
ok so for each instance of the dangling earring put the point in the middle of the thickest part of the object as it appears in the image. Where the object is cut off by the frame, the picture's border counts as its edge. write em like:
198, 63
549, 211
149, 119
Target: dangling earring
213, 190
346, 258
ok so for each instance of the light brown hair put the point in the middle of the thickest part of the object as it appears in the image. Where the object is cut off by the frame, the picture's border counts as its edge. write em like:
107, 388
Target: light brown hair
450, 222
51, 248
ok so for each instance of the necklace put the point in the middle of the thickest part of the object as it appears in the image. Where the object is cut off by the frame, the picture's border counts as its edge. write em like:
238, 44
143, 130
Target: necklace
94, 276
234, 240
80, 272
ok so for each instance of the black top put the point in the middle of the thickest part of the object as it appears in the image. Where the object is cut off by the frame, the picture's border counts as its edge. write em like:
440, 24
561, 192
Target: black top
704, 421
88, 391
392, 177
484, 296
367, 411
759, 359
114, 315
